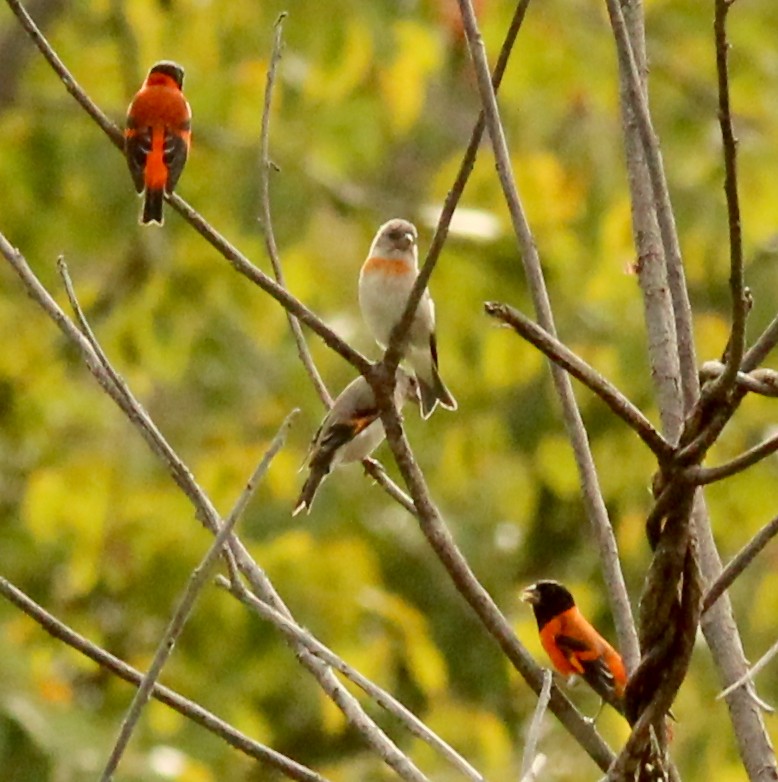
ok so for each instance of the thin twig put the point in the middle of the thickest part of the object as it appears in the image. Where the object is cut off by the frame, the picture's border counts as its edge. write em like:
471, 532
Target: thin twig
533, 734
739, 563
292, 630
376, 471
116, 136
561, 355
704, 475
110, 380
759, 351
186, 604
763, 382
737, 339
592, 495
749, 677
265, 167
535, 769
371, 466
262, 587
186, 708
399, 335
243, 265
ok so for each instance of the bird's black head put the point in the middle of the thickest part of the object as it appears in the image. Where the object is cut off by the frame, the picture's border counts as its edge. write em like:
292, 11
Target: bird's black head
171, 69
548, 599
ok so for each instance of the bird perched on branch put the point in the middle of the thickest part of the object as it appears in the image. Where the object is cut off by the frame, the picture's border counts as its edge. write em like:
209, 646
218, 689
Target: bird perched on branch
385, 283
350, 432
157, 136
574, 646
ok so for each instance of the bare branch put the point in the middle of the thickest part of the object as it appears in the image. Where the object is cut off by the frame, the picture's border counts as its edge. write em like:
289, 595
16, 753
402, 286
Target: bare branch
702, 439
533, 734
14, 51
376, 471
664, 212
759, 351
561, 355
763, 382
749, 677
372, 467
186, 604
399, 336
739, 563
186, 708
243, 265
737, 339
294, 632
266, 166
668, 629
592, 495
64, 74
704, 475
375, 737
650, 267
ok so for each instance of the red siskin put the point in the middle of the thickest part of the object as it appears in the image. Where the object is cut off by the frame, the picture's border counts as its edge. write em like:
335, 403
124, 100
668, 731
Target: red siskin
157, 136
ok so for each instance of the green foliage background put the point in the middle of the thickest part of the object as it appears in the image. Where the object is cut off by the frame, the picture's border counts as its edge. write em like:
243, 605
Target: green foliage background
374, 104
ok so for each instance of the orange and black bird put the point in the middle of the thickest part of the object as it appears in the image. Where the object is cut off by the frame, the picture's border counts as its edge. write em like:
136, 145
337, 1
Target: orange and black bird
157, 136
574, 646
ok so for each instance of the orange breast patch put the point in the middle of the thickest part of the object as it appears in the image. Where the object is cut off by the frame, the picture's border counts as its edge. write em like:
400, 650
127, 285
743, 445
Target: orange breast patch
394, 266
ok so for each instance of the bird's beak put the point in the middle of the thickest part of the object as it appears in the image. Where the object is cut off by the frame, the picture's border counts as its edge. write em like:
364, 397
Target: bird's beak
408, 240
530, 595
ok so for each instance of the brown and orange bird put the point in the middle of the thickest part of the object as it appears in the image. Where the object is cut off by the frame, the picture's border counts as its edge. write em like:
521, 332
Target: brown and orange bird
350, 431
385, 283
157, 137
574, 646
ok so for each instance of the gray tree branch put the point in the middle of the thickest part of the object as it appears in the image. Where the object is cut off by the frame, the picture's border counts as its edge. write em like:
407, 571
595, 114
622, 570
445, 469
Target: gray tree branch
592, 496
678, 391
293, 631
186, 603
561, 355
739, 563
178, 703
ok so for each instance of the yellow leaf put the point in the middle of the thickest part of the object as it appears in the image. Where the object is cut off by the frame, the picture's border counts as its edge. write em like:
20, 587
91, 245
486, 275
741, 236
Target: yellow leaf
404, 82
424, 659
556, 465
334, 82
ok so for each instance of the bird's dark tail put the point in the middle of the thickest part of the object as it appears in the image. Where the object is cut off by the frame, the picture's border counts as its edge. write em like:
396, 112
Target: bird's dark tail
152, 207
308, 492
434, 392
320, 466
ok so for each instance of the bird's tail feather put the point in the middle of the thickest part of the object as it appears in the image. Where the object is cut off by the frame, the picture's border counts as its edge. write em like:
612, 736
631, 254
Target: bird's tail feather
152, 207
308, 492
433, 391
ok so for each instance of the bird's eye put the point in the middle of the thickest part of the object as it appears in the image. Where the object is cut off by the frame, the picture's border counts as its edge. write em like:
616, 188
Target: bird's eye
395, 235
